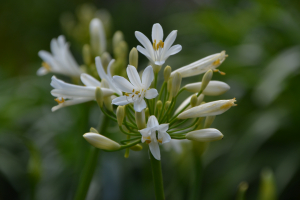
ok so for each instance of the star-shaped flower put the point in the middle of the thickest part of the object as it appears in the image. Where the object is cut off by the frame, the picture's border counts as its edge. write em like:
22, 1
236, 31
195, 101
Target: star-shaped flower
159, 51
155, 133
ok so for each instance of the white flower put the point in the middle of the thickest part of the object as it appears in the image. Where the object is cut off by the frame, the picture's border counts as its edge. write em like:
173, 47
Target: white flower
97, 35
205, 135
208, 109
69, 94
159, 51
101, 142
214, 88
202, 65
187, 101
149, 135
136, 90
60, 61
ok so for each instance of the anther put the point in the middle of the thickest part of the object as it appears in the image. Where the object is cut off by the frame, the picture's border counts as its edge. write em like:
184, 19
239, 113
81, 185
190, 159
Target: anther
46, 66
217, 62
59, 101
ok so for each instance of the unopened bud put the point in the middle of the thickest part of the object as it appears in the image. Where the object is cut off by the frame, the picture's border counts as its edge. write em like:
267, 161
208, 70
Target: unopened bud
214, 88
106, 100
99, 97
136, 147
98, 38
134, 57
243, 187
167, 104
117, 38
208, 121
93, 130
206, 78
120, 115
156, 68
147, 114
200, 99
176, 82
140, 119
101, 142
159, 105
205, 135
86, 52
105, 59
167, 72
267, 188
121, 51
169, 85
194, 100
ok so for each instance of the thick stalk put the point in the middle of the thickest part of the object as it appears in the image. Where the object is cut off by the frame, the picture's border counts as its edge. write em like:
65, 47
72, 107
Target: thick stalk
157, 178
90, 167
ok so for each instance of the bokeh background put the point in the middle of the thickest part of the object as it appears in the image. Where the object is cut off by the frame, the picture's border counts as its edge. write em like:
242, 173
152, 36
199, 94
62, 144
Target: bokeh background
42, 153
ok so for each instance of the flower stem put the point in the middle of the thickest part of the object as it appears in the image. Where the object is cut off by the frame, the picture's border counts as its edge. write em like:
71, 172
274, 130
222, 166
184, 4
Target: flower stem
157, 178
90, 167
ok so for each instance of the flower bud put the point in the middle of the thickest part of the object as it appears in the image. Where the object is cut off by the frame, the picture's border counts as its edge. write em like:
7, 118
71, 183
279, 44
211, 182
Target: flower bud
167, 104
267, 188
176, 82
214, 88
106, 100
98, 38
117, 38
147, 114
159, 105
194, 100
167, 72
140, 119
105, 59
93, 130
200, 99
101, 142
86, 52
134, 57
243, 187
136, 147
120, 115
169, 86
205, 135
99, 97
206, 79
208, 109
156, 68
208, 121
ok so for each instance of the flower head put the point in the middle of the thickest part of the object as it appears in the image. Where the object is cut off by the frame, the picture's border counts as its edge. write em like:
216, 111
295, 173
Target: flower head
149, 135
135, 90
60, 61
159, 51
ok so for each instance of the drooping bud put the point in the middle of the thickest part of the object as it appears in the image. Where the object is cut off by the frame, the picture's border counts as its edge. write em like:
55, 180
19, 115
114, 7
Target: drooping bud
140, 119
117, 38
176, 82
87, 56
267, 188
194, 100
243, 187
208, 109
134, 57
167, 104
93, 130
159, 105
214, 88
98, 38
101, 142
120, 115
99, 97
208, 121
167, 73
136, 147
205, 135
105, 59
206, 79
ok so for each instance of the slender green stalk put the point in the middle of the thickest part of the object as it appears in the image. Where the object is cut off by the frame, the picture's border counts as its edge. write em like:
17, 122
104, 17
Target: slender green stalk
157, 178
90, 166
196, 186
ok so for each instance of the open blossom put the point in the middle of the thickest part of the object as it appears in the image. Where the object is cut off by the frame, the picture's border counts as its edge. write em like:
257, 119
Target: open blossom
201, 66
159, 51
135, 90
60, 61
149, 135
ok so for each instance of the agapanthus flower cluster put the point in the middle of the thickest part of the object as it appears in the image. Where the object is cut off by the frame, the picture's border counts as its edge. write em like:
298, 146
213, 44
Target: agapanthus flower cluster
144, 111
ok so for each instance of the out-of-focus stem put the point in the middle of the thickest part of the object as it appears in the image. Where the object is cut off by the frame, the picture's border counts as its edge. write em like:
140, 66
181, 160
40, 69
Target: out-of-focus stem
157, 178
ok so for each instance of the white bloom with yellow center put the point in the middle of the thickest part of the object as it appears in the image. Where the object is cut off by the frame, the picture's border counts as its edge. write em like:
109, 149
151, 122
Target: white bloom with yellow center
60, 61
201, 66
135, 90
159, 51
155, 133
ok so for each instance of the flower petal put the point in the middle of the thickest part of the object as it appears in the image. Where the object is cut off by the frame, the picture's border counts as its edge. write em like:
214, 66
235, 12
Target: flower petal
163, 127
145, 52
150, 94
121, 101
152, 122
173, 50
157, 33
123, 84
164, 137
170, 40
133, 76
88, 80
139, 105
42, 71
154, 149
147, 77
70, 103
145, 42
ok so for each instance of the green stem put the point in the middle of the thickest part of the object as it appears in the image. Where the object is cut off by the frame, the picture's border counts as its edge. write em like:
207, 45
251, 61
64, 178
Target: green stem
90, 166
157, 178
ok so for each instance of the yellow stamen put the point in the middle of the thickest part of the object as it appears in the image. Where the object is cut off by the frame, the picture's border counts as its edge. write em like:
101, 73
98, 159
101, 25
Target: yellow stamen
160, 141
59, 101
126, 94
220, 72
46, 66
132, 90
154, 44
148, 141
217, 62
137, 92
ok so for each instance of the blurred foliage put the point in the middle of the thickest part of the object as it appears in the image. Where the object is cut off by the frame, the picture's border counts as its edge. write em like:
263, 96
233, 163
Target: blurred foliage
42, 153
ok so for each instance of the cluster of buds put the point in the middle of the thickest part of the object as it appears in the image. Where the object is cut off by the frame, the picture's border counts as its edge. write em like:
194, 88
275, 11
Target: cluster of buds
144, 112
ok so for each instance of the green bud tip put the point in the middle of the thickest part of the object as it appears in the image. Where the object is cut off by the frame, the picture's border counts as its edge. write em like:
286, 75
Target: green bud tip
86, 52
176, 82
99, 96
133, 57
93, 130
206, 78
136, 147
159, 104
120, 115
167, 104
194, 100
140, 119
167, 72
